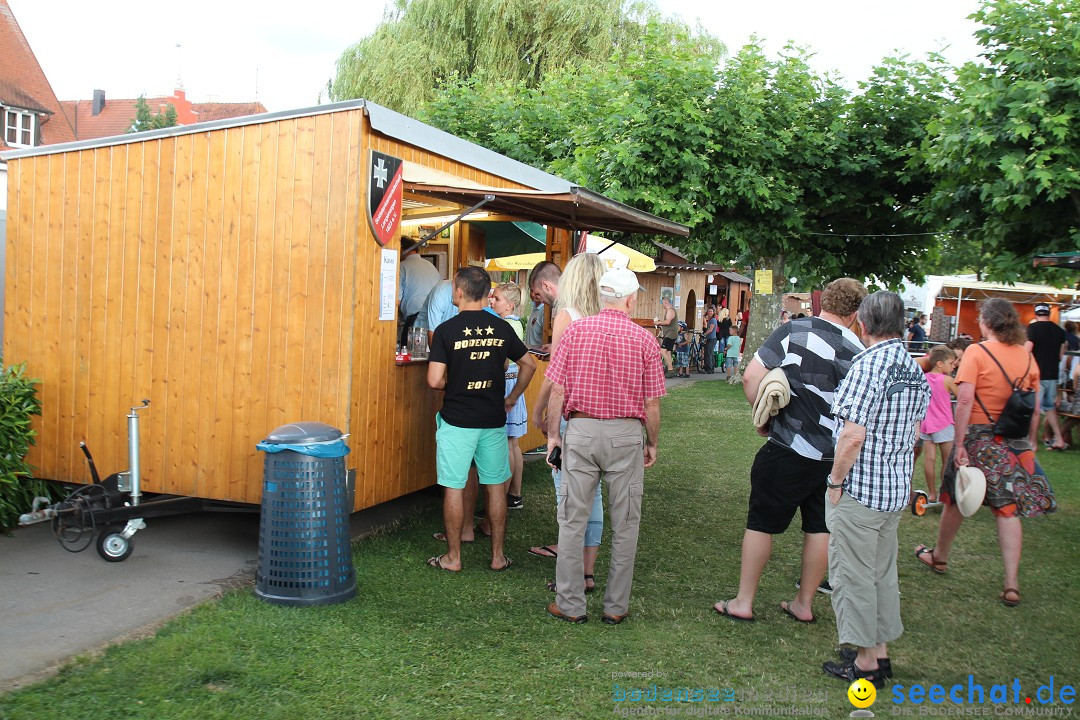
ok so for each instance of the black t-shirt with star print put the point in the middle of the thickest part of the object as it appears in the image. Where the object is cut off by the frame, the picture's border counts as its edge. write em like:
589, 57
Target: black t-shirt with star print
474, 346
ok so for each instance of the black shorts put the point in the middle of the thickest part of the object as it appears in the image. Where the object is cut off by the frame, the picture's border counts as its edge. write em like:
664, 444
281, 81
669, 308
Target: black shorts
668, 344
781, 482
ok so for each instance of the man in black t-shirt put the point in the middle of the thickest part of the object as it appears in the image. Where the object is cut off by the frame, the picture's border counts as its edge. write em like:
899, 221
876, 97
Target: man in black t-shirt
468, 360
1046, 341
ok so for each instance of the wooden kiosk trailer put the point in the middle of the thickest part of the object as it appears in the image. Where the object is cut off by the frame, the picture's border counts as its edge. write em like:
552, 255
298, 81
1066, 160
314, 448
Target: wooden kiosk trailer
229, 272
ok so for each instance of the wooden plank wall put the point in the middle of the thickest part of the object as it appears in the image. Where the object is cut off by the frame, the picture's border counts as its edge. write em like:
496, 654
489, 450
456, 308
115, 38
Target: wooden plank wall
230, 277
211, 273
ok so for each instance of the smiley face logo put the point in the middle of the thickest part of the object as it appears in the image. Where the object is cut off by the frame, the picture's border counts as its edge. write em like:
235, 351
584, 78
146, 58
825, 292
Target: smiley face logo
862, 693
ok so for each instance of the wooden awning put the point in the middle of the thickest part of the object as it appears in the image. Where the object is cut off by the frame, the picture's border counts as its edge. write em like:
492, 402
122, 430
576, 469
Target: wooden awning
575, 209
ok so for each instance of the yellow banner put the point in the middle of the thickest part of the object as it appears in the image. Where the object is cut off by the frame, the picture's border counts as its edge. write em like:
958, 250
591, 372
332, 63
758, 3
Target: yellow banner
763, 282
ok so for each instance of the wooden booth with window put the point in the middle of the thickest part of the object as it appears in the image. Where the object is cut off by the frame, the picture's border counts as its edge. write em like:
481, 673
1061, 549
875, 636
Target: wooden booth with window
242, 274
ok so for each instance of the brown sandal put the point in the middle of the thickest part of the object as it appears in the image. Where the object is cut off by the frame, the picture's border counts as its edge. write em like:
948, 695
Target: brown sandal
938, 567
1010, 597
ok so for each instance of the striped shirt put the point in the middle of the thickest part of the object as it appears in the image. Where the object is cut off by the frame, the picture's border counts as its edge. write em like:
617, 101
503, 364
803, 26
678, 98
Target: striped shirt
815, 355
608, 366
886, 393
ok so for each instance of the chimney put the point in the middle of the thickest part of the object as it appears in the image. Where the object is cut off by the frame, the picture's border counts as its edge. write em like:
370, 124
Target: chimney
99, 102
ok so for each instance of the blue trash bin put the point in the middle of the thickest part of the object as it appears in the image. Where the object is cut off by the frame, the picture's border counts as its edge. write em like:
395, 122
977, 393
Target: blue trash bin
305, 554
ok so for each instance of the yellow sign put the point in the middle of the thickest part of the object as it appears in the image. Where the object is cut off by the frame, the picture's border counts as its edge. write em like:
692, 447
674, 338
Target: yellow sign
763, 282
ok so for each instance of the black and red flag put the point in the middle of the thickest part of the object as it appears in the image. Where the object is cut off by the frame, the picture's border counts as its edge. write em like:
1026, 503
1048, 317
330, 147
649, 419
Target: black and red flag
384, 195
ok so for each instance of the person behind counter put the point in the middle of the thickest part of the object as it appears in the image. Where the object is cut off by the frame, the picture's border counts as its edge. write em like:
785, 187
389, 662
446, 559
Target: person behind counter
418, 278
467, 360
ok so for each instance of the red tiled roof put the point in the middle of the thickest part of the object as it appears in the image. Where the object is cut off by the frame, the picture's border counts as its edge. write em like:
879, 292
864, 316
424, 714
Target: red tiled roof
115, 118
24, 85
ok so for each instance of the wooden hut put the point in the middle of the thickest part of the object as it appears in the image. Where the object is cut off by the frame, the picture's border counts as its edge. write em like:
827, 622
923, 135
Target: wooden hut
230, 272
691, 286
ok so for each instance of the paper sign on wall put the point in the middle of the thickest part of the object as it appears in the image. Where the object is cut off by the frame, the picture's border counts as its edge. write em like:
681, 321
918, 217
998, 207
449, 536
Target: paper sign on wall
763, 282
712, 290
388, 285
677, 302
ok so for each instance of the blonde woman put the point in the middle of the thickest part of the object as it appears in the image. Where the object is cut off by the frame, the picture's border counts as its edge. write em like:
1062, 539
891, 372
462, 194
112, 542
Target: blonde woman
506, 302
579, 296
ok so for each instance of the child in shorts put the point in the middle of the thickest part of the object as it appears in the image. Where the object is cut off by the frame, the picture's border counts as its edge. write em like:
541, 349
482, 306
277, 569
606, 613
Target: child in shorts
734, 348
506, 303
937, 428
682, 352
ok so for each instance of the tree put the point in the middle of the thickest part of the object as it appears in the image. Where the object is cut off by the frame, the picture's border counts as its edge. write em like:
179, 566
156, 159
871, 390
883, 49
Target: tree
634, 126
770, 164
1006, 153
422, 46
145, 120
813, 181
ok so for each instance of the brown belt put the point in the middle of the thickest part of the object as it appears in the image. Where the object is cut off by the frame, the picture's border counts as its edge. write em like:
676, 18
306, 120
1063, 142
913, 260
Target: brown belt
575, 415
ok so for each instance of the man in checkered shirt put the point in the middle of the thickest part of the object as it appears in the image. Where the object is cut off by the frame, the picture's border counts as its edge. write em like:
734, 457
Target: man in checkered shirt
607, 381
878, 408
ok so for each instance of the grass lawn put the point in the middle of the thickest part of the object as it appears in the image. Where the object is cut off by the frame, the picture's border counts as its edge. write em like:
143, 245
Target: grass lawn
421, 643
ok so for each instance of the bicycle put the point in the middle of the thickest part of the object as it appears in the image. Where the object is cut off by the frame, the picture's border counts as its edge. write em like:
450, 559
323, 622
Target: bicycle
697, 350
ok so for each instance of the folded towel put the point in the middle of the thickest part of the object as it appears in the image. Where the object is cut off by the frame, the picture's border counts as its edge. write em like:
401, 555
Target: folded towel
773, 394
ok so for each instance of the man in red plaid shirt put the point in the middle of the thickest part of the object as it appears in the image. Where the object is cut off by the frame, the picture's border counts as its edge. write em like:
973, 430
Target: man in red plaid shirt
607, 382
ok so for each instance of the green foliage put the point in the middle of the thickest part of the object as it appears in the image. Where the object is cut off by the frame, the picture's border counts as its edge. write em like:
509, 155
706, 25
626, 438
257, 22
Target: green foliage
145, 120
18, 404
772, 165
1006, 153
422, 46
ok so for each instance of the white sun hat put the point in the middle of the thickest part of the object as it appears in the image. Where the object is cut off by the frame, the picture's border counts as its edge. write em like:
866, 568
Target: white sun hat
970, 489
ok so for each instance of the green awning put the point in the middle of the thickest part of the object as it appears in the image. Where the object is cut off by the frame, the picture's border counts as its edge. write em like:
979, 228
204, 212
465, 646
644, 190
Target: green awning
503, 238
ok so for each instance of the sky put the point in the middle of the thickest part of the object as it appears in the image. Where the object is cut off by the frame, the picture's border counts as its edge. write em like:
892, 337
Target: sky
283, 53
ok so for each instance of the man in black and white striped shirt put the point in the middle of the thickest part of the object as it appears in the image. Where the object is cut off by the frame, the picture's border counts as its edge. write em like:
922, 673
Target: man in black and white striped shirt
788, 474
878, 407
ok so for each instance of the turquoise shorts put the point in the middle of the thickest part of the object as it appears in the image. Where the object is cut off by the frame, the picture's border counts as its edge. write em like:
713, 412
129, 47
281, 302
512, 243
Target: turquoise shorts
456, 448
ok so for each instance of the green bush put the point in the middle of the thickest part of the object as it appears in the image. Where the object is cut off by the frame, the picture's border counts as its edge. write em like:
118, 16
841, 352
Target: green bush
18, 403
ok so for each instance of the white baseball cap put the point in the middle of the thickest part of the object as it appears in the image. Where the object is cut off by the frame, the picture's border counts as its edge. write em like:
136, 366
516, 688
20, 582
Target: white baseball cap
618, 282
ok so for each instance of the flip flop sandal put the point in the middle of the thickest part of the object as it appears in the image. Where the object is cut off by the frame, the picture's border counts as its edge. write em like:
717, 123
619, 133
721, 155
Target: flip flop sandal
787, 611
724, 612
507, 566
436, 562
441, 537
938, 567
1010, 597
549, 553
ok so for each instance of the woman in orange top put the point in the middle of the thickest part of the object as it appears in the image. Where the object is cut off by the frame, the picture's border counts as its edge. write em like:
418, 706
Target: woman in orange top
1016, 485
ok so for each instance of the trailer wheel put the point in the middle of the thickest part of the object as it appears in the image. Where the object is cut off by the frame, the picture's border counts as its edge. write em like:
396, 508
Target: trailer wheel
114, 547
918, 507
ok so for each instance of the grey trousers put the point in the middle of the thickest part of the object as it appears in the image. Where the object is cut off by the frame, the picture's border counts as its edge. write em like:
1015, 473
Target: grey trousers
862, 571
615, 451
